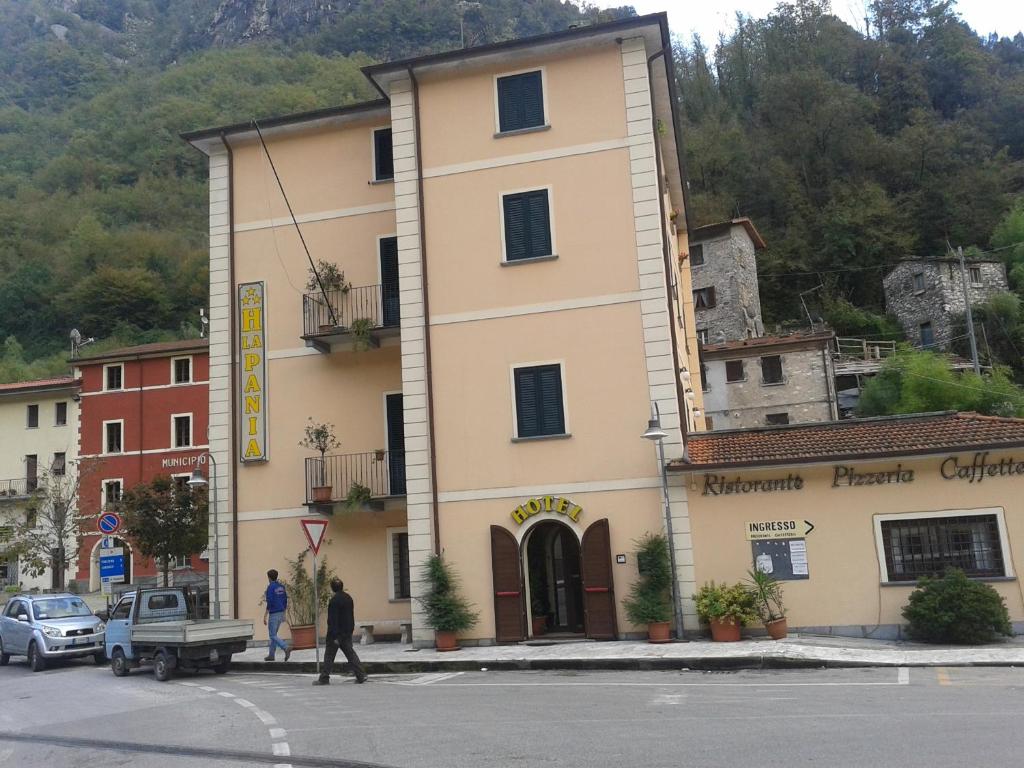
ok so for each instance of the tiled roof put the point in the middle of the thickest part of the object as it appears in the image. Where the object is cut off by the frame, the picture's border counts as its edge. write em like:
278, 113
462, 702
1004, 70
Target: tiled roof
710, 230
36, 384
919, 434
146, 350
769, 341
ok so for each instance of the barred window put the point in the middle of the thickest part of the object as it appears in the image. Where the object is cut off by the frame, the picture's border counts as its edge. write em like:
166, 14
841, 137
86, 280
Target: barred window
928, 546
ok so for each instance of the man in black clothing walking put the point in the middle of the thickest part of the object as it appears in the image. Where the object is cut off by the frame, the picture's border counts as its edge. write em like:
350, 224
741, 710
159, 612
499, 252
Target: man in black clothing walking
340, 624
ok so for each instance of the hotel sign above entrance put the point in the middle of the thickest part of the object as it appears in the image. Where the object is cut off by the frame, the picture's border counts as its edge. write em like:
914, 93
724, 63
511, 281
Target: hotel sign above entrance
540, 504
252, 398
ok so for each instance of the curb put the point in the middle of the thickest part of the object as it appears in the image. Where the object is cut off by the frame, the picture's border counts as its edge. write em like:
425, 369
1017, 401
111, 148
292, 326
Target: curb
703, 664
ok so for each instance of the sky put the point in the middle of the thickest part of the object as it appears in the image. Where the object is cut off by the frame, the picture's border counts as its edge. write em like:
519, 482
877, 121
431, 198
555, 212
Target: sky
708, 18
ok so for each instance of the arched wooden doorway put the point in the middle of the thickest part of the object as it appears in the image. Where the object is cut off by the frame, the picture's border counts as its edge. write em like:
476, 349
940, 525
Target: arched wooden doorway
596, 590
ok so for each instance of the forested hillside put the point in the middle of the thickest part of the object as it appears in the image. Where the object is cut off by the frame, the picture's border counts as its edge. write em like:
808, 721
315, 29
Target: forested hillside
848, 150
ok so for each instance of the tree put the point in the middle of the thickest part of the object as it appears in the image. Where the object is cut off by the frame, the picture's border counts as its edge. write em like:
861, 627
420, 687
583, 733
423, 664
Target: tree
165, 520
48, 535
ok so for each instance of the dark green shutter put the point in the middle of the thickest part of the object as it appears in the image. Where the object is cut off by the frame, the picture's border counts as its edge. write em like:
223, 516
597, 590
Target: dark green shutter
538, 223
539, 408
527, 225
515, 227
384, 164
520, 101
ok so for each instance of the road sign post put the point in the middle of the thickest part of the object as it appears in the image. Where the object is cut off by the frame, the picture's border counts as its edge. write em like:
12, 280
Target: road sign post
315, 530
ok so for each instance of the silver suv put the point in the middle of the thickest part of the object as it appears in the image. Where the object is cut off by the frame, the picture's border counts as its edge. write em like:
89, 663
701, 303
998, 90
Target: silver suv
45, 627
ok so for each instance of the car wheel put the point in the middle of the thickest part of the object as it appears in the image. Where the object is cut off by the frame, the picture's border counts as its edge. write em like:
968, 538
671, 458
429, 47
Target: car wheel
118, 663
99, 658
222, 666
35, 658
162, 667
5, 658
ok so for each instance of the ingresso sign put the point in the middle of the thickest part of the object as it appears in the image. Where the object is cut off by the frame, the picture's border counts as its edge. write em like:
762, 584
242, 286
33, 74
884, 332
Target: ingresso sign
252, 397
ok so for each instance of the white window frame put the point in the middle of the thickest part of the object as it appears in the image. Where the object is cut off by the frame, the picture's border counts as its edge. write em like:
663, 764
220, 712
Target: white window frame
551, 223
178, 475
566, 430
1004, 540
498, 133
373, 154
703, 335
103, 438
191, 431
103, 490
191, 370
105, 369
390, 533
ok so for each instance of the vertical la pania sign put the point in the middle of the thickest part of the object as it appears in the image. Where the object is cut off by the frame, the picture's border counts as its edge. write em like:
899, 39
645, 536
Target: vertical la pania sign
252, 401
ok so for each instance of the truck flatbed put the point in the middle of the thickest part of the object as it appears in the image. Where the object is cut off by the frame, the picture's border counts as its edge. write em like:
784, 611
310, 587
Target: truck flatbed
191, 632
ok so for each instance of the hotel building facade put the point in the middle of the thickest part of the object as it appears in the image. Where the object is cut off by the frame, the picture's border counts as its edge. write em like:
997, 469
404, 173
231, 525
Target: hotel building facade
511, 225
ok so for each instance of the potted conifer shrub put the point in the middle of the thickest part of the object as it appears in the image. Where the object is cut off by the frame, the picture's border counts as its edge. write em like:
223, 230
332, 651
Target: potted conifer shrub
302, 607
767, 594
725, 608
320, 437
650, 598
447, 611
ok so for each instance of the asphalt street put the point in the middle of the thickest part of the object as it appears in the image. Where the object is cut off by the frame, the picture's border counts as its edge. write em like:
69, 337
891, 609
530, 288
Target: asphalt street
77, 714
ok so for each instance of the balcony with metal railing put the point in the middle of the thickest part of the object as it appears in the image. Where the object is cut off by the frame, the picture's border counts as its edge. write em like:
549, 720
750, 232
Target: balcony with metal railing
350, 318
18, 488
355, 479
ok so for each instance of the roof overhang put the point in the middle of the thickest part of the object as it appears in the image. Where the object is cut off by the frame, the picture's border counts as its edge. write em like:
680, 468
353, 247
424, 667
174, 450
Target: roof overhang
42, 389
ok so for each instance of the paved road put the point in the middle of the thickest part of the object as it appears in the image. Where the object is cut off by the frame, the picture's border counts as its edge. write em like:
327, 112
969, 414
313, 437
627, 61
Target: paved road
80, 715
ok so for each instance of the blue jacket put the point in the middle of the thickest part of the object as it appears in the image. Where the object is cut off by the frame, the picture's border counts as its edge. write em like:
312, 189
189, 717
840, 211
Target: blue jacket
277, 598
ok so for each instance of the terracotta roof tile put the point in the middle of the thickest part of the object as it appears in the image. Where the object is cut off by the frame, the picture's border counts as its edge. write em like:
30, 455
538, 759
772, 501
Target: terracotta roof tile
927, 433
28, 386
769, 341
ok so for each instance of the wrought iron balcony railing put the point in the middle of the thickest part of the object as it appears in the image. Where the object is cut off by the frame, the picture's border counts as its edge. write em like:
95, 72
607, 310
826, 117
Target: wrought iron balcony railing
18, 488
361, 309
380, 473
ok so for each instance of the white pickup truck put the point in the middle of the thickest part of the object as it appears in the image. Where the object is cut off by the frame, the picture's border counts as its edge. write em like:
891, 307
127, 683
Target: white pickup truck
152, 625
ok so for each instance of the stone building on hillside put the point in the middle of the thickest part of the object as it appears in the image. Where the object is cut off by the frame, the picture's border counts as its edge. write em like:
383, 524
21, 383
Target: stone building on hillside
926, 295
771, 380
723, 261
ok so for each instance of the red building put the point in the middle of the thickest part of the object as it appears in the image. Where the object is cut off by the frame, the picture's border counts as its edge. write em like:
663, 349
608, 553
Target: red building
144, 412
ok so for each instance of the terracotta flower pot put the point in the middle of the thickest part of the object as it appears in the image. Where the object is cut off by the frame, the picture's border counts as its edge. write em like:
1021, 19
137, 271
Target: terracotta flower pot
724, 631
303, 637
778, 629
540, 625
322, 493
658, 632
326, 328
445, 641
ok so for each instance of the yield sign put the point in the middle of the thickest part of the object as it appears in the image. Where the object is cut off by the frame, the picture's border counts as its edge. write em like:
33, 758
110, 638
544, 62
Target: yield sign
314, 530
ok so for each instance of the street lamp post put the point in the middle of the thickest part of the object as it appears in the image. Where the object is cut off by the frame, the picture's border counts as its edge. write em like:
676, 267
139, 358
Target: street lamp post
197, 481
655, 433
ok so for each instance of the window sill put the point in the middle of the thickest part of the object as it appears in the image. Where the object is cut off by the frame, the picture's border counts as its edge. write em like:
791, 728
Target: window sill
535, 438
531, 260
35, 427
735, 381
913, 584
399, 599
374, 182
774, 383
521, 131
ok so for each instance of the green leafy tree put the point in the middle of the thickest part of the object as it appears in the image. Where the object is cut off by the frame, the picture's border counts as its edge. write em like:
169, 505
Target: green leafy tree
165, 520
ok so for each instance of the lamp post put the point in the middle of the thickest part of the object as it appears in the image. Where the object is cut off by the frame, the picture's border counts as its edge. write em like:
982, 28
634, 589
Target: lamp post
197, 481
655, 433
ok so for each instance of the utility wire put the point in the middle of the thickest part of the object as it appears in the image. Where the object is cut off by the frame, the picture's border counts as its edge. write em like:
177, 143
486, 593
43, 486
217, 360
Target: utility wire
287, 202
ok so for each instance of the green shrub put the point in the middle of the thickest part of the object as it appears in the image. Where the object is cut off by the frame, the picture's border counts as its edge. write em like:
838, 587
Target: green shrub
650, 597
954, 609
730, 603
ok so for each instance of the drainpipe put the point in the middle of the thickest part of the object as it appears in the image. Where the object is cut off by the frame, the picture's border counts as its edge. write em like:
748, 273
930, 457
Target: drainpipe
234, 380
426, 308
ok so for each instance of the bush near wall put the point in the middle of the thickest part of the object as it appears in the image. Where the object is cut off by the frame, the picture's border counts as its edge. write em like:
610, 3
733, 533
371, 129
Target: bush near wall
954, 609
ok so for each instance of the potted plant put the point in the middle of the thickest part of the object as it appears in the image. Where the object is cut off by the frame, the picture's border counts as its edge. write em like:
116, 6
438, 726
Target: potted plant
378, 454
726, 608
334, 285
538, 615
358, 497
360, 330
767, 594
302, 608
447, 611
320, 437
650, 598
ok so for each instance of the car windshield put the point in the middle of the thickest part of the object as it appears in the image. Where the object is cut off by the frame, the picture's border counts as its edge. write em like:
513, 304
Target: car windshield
60, 608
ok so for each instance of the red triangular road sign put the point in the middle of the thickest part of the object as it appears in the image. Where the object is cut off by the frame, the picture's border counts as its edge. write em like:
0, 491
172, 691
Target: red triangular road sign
315, 531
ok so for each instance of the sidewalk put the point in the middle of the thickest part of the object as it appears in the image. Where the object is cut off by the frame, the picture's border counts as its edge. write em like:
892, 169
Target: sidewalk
797, 651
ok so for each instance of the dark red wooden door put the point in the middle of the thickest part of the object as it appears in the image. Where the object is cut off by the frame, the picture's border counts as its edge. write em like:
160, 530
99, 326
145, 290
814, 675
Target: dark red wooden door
507, 572
598, 587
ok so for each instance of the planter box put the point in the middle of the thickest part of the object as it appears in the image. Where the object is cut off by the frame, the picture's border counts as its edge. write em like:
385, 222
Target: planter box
322, 493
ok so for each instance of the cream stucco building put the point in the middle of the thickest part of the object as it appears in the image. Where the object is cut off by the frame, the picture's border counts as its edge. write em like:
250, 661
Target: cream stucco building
509, 220
38, 439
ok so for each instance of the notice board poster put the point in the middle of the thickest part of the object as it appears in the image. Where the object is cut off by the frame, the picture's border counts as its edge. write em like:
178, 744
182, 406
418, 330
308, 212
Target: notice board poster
782, 559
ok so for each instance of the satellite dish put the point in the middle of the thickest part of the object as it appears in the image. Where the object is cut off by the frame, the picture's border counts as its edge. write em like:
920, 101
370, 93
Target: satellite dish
204, 323
77, 343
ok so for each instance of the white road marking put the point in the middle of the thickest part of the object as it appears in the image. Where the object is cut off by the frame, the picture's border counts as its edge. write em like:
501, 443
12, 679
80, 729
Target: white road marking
668, 699
265, 717
207, 688
225, 694
637, 685
278, 733
245, 703
427, 679
903, 676
190, 685
281, 749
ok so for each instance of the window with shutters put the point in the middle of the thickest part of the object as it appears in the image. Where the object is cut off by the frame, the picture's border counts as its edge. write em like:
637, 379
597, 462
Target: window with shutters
60, 414
383, 160
520, 101
975, 273
696, 255
60, 462
709, 422
919, 282
771, 369
526, 219
31, 472
398, 563
33, 416
734, 371
540, 410
704, 298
